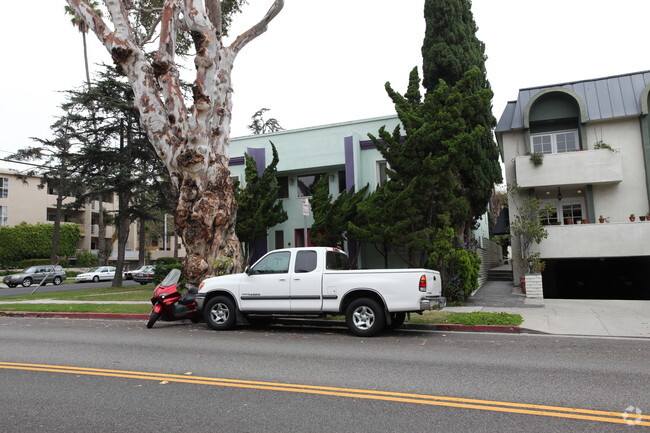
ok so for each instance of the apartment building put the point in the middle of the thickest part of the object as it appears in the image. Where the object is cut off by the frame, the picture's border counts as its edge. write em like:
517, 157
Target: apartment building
347, 157
24, 200
583, 148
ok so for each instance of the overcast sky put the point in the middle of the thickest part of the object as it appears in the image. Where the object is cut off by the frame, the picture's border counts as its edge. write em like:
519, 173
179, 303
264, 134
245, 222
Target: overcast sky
323, 62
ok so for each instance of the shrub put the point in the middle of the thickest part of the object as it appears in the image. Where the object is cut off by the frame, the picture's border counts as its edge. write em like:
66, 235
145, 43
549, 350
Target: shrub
459, 266
27, 241
166, 261
86, 259
33, 262
161, 271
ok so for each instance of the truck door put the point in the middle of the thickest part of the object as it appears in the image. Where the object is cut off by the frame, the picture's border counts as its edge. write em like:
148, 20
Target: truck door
306, 283
267, 285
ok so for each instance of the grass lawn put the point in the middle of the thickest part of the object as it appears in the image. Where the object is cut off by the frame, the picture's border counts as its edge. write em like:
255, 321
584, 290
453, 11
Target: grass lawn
143, 293
476, 318
79, 308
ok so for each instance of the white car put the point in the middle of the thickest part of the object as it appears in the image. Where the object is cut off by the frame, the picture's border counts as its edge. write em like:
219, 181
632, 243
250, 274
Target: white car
101, 273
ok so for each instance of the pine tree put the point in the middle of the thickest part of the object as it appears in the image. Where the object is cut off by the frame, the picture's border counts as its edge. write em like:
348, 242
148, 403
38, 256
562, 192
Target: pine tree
259, 207
115, 156
333, 217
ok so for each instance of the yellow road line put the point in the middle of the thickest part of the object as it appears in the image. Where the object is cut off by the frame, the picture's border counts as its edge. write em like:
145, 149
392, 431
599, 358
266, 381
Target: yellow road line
488, 405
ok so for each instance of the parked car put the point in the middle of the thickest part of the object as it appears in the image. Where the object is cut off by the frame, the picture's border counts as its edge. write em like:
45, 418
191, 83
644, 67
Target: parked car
36, 274
145, 276
100, 273
128, 275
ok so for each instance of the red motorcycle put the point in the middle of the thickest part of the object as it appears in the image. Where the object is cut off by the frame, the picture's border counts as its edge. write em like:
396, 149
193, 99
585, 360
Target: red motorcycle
169, 304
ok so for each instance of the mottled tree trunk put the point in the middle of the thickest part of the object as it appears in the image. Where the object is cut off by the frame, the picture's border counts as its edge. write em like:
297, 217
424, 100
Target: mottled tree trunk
142, 248
194, 146
123, 223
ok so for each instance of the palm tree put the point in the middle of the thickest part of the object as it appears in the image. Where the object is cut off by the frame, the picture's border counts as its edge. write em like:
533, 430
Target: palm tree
80, 24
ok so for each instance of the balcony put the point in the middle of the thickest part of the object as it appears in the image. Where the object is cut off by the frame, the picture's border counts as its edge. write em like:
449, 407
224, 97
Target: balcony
571, 168
595, 240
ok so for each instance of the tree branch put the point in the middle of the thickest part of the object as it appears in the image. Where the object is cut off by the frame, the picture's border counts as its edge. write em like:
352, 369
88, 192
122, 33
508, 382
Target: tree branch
259, 28
214, 14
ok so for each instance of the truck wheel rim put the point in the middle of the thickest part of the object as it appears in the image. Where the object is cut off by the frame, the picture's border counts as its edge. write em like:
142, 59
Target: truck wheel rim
220, 313
363, 318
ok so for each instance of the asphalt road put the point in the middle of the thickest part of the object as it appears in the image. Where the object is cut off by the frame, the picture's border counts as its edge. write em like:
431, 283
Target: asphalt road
177, 376
50, 288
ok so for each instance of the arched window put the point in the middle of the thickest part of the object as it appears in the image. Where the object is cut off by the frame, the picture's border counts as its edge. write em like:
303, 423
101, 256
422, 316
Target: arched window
554, 124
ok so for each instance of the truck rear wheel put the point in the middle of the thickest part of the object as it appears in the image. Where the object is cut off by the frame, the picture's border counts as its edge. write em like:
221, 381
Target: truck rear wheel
220, 313
365, 317
396, 320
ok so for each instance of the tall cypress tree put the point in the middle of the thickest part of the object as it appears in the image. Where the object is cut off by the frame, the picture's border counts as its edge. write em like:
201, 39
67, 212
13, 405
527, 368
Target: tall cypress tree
450, 51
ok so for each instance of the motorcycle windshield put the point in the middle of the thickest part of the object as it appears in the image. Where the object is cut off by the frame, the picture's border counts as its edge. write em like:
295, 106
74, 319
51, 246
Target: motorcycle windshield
172, 278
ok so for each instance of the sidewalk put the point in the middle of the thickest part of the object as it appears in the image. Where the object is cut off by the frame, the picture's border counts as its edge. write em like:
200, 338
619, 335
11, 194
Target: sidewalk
563, 316
611, 318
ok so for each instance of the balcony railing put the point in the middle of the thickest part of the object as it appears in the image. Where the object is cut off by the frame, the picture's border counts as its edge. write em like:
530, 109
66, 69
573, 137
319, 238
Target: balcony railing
595, 240
571, 168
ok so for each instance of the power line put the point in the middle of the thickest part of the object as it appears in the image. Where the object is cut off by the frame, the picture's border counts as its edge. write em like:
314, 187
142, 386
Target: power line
21, 162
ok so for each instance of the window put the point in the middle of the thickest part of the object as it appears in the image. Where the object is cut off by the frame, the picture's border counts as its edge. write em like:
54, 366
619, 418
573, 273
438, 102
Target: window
555, 142
572, 212
343, 186
4, 187
3, 216
273, 263
337, 261
382, 176
279, 239
299, 235
283, 191
305, 261
549, 217
306, 184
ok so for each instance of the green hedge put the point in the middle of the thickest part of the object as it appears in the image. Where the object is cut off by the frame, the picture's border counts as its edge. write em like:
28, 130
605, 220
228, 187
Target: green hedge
27, 241
166, 261
161, 271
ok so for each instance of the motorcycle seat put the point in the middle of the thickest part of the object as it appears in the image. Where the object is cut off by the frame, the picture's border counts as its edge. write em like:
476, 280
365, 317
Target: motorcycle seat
189, 297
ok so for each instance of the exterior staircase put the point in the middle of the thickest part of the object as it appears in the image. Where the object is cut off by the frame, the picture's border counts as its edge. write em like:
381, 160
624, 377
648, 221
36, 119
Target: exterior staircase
502, 273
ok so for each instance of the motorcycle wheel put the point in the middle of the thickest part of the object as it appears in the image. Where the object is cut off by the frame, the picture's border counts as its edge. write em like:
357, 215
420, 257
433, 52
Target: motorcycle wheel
153, 318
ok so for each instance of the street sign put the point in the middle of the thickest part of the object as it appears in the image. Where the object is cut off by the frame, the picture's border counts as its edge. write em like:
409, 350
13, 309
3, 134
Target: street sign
305, 206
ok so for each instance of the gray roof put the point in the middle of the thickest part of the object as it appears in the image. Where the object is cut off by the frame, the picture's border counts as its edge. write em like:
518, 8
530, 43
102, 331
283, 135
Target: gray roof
603, 98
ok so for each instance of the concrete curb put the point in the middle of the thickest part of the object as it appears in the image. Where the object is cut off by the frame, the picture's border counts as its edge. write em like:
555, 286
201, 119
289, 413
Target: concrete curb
416, 326
74, 315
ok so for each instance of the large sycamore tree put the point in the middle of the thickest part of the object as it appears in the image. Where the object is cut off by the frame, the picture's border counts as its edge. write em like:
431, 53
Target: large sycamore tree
191, 137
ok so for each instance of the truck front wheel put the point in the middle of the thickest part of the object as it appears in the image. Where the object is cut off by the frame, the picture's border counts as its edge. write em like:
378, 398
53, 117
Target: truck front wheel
220, 313
365, 317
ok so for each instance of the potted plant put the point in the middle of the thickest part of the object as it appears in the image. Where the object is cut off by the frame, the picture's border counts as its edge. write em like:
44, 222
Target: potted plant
600, 144
641, 217
601, 219
632, 217
537, 158
585, 221
569, 221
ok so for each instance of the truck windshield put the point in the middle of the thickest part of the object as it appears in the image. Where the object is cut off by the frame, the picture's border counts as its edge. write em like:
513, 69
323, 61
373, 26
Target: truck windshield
337, 261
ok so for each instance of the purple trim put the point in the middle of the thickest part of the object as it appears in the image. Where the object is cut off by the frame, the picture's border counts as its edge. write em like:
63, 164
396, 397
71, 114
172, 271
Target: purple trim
259, 156
348, 145
237, 160
369, 144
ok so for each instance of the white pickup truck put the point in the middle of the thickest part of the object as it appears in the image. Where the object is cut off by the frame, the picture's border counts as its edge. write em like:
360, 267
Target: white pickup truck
318, 281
